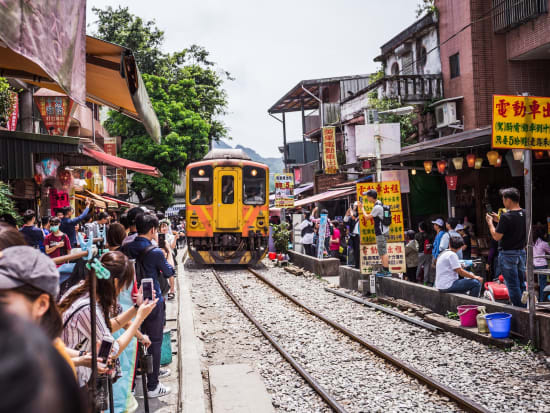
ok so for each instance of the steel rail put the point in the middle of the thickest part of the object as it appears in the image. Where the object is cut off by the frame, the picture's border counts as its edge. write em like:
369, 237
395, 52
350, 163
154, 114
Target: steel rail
404, 317
297, 366
455, 396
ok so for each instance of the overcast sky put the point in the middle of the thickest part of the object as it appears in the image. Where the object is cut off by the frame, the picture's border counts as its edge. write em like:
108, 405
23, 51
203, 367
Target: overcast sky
270, 46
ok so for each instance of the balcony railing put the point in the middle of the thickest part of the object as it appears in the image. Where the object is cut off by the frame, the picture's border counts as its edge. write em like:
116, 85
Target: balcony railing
410, 88
508, 14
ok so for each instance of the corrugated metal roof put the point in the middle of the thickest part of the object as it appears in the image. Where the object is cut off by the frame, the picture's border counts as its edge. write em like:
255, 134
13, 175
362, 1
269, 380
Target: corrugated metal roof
17, 149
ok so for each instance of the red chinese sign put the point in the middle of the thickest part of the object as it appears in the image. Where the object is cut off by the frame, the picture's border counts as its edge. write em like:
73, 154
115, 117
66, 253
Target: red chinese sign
109, 146
14, 116
521, 122
58, 199
451, 180
329, 150
55, 111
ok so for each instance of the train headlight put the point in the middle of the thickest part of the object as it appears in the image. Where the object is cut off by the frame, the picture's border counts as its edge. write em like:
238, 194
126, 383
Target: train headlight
201, 172
253, 172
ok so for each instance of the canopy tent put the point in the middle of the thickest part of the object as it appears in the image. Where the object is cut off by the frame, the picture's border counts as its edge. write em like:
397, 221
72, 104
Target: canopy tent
325, 196
112, 79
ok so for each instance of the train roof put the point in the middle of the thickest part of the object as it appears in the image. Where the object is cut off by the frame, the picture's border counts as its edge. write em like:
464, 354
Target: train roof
226, 154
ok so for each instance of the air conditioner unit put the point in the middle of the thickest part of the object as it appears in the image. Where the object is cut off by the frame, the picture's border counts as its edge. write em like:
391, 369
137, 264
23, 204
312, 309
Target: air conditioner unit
445, 114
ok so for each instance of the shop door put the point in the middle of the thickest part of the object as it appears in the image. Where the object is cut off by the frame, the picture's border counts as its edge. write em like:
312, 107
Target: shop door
227, 196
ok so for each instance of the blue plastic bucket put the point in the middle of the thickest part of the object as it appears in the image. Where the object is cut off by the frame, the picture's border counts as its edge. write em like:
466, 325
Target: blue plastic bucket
499, 324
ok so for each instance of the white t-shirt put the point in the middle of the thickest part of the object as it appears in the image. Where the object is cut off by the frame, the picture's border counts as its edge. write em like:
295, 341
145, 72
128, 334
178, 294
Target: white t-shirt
445, 274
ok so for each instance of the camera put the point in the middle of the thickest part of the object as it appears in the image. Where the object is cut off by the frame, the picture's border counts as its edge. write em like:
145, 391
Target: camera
162, 240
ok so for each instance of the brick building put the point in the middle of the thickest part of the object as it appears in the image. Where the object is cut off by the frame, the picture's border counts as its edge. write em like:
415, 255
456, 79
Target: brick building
504, 49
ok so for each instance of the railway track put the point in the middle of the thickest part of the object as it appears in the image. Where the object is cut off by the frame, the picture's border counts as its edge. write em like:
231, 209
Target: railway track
332, 400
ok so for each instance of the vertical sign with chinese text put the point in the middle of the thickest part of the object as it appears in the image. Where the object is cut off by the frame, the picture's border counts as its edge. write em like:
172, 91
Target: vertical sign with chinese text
329, 150
284, 191
521, 122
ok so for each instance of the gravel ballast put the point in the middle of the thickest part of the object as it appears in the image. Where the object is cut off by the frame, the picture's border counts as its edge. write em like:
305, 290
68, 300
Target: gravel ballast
503, 381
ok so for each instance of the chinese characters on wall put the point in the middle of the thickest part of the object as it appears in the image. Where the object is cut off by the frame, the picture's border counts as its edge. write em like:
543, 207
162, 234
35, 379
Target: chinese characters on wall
284, 191
329, 150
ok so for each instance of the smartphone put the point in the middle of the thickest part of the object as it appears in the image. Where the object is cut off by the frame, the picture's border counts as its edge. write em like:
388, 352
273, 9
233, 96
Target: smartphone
162, 240
105, 348
147, 287
489, 208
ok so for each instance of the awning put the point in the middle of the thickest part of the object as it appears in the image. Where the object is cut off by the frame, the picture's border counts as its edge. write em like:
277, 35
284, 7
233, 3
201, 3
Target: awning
98, 198
117, 162
304, 188
174, 210
119, 202
325, 196
112, 79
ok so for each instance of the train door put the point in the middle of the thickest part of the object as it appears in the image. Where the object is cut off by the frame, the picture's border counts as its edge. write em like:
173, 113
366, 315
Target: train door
227, 197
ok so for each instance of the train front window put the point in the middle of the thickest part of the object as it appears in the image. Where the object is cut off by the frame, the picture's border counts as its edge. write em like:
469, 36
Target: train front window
228, 190
200, 179
254, 188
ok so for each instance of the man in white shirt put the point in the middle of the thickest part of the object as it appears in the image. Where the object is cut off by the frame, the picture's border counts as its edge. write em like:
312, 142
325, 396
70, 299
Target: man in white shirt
380, 230
448, 269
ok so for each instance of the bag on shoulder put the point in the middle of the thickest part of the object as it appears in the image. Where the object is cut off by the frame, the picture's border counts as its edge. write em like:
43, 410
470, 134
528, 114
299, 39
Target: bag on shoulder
308, 229
386, 217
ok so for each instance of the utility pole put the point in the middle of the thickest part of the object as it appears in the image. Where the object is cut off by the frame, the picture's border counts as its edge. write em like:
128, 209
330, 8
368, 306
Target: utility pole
528, 183
377, 142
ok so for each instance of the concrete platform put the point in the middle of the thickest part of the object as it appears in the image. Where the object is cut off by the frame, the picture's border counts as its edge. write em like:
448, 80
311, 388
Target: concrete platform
237, 388
328, 267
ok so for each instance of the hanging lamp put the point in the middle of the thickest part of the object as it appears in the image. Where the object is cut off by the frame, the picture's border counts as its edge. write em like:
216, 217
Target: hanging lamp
458, 162
471, 160
492, 156
441, 166
428, 166
478, 163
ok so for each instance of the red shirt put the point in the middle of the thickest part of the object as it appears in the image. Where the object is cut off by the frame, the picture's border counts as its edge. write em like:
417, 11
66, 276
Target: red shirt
51, 240
335, 246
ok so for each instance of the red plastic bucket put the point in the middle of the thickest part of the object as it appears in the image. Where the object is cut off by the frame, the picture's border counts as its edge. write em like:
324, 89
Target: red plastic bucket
272, 255
467, 314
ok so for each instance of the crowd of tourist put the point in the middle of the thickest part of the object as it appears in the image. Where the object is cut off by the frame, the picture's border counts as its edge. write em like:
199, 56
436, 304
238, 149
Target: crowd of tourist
440, 254
49, 369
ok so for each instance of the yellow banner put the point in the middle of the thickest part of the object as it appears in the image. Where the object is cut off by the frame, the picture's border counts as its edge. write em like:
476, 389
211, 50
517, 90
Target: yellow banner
396, 229
329, 150
521, 122
389, 192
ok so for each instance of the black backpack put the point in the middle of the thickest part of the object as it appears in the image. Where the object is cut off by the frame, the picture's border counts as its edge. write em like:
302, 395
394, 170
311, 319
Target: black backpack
386, 218
141, 273
307, 230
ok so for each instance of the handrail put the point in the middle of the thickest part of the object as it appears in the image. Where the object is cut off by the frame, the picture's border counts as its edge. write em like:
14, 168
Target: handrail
73, 257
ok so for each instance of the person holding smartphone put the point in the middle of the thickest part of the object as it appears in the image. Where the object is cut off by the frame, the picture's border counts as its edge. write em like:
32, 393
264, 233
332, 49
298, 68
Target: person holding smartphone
75, 309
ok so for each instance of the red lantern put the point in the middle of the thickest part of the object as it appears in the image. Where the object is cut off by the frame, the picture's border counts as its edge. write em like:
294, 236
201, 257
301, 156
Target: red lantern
89, 174
539, 154
471, 160
451, 180
365, 165
38, 179
498, 163
441, 166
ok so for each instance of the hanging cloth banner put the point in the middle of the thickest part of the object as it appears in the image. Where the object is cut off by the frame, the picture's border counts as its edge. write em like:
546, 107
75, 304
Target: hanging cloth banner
329, 150
14, 114
451, 180
55, 112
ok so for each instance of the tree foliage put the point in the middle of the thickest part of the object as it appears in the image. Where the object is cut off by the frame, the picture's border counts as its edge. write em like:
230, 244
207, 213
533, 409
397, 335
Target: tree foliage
186, 90
425, 7
6, 96
7, 206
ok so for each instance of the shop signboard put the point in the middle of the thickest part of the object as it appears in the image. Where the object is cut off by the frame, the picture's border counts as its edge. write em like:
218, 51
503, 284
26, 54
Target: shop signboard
329, 150
108, 186
370, 259
109, 146
58, 199
55, 112
396, 229
322, 234
121, 183
389, 192
14, 115
284, 191
521, 122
